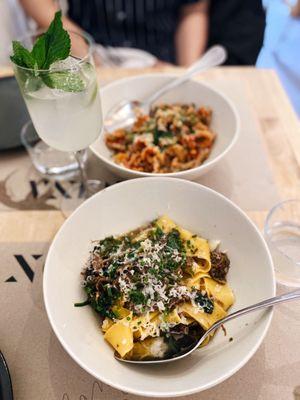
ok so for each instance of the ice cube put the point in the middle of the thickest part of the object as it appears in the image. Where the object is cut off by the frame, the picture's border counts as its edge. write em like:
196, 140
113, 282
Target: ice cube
74, 72
44, 93
58, 93
32, 83
70, 63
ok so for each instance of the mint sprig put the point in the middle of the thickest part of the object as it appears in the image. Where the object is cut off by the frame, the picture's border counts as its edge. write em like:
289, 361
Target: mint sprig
64, 80
53, 45
22, 56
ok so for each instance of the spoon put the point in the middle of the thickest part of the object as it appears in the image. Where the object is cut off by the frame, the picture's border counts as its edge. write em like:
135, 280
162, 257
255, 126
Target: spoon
123, 113
263, 304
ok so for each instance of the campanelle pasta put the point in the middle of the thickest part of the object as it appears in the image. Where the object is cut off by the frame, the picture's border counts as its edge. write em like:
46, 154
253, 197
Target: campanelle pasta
157, 289
173, 137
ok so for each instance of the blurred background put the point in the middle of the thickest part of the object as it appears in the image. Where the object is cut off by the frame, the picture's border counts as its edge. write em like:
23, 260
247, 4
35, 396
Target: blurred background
146, 33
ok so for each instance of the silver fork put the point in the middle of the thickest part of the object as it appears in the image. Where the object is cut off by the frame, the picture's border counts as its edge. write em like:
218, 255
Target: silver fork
254, 307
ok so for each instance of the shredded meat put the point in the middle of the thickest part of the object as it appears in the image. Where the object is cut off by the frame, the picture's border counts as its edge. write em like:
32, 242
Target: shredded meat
220, 264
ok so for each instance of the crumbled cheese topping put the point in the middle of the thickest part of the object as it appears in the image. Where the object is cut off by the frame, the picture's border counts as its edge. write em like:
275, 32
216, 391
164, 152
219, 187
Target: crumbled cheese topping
213, 244
145, 276
146, 138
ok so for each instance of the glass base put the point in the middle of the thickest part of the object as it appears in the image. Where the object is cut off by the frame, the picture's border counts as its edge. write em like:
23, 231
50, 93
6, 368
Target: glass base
93, 186
50, 163
78, 194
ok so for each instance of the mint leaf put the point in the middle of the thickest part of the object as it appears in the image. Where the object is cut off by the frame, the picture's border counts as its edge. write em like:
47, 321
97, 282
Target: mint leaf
22, 56
53, 45
57, 42
64, 80
39, 51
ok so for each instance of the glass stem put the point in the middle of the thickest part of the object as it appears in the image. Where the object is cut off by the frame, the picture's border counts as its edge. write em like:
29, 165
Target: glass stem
82, 173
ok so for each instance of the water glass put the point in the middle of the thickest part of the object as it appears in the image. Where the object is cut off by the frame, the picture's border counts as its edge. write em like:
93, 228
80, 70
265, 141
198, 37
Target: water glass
282, 233
51, 163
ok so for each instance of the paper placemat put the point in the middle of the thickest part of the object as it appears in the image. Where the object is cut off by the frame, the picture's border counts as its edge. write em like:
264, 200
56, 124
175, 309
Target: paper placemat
243, 176
42, 370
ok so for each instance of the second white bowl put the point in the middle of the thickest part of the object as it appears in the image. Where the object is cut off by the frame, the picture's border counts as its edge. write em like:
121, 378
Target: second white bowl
225, 120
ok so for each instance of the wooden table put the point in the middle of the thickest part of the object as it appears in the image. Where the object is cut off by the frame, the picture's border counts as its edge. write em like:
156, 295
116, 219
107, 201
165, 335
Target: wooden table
280, 133
280, 130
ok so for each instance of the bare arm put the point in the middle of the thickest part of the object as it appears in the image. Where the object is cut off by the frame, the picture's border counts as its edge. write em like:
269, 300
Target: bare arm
42, 12
296, 9
192, 32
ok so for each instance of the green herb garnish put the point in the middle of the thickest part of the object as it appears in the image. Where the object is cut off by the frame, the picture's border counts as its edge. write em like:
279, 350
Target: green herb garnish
64, 80
112, 270
205, 302
101, 304
53, 45
137, 297
104, 303
82, 304
108, 246
22, 56
174, 241
156, 233
157, 260
157, 134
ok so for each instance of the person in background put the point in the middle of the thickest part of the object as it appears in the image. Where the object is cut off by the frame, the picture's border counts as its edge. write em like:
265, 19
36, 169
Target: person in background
239, 26
12, 24
175, 31
281, 46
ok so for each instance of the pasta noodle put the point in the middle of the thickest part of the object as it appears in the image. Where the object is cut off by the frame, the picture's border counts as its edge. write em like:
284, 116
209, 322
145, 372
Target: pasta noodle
172, 138
154, 289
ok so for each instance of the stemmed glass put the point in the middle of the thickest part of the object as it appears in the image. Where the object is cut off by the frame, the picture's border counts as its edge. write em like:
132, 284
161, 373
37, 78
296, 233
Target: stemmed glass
68, 118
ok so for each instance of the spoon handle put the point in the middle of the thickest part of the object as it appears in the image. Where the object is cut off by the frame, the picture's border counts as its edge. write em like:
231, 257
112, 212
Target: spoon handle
216, 55
262, 304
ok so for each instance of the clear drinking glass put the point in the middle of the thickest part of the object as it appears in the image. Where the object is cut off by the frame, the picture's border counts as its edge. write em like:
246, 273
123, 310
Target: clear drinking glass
51, 163
282, 233
69, 118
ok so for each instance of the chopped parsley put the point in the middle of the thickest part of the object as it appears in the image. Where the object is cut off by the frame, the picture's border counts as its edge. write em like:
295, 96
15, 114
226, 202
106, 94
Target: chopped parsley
157, 134
103, 304
137, 297
205, 302
108, 245
174, 241
83, 303
156, 233
141, 272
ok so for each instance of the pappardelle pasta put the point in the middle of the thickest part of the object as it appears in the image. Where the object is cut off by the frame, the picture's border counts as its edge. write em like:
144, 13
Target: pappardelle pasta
157, 289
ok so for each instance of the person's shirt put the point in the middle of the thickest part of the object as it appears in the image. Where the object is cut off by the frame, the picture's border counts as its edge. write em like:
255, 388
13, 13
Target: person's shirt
281, 48
145, 24
239, 26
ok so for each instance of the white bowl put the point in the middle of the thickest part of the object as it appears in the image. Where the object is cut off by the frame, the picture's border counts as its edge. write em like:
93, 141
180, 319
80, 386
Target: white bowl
225, 120
128, 205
